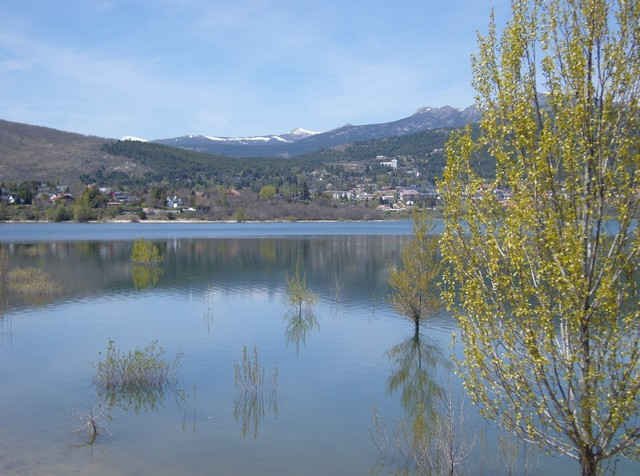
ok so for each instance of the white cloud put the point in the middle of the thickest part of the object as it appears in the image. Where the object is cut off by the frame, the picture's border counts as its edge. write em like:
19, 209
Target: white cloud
122, 92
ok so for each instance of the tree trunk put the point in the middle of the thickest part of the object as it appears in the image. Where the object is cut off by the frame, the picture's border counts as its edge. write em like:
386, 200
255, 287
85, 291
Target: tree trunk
588, 463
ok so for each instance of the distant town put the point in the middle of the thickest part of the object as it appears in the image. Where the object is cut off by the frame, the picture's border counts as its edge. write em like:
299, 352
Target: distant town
382, 187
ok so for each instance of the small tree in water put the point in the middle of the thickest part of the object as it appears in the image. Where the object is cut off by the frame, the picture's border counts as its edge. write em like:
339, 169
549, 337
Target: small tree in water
415, 283
298, 292
546, 294
301, 320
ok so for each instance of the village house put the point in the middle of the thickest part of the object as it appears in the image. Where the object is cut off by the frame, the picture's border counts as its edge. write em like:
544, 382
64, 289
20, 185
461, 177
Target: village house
174, 202
341, 194
64, 198
387, 196
409, 196
392, 164
122, 197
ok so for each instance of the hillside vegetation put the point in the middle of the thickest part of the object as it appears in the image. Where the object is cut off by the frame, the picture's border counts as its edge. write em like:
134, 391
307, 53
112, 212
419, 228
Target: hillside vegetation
38, 153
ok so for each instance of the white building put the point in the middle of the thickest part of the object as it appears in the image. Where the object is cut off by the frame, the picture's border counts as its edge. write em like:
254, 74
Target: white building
392, 164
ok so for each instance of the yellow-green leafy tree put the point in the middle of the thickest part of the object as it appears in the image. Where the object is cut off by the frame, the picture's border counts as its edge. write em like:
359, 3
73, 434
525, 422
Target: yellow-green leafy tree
414, 283
301, 319
543, 260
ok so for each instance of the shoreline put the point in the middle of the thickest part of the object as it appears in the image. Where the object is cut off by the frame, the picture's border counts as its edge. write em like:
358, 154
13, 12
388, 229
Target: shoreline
195, 222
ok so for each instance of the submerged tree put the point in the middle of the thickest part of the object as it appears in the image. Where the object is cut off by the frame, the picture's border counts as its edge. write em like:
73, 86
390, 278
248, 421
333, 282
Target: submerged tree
297, 290
300, 319
414, 284
544, 259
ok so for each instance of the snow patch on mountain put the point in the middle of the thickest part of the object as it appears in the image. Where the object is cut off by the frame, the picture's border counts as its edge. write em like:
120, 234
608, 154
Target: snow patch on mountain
244, 139
134, 139
299, 131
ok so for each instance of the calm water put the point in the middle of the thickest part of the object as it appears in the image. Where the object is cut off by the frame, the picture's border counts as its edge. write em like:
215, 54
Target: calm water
329, 366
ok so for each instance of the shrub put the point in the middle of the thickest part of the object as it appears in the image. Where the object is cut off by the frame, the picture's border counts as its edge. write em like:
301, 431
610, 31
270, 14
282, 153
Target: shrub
59, 213
138, 378
267, 192
240, 215
82, 213
136, 368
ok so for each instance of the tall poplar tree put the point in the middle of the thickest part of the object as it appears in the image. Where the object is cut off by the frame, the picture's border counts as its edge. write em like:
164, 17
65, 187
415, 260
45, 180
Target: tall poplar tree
543, 260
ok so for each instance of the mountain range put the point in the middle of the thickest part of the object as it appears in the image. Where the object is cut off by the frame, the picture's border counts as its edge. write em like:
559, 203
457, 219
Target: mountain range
29, 152
301, 141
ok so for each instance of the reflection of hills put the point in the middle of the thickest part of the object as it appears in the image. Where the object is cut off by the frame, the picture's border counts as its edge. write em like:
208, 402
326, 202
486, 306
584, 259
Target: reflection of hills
84, 269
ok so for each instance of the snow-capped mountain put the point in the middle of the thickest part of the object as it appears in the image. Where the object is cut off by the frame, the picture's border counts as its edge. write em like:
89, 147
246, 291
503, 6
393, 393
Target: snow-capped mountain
300, 133
133, 138
209, 143
300, 141
292, 136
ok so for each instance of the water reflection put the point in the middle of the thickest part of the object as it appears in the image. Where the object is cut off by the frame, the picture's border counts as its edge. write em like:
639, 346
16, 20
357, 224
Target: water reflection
414, 363
431, 437
257, 395
145, 276
5, 324
146, 260
348, 269
209, 315
33, 285
300, 322
4, 269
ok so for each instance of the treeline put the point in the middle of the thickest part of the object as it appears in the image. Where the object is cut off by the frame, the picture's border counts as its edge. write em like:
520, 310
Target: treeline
186, 168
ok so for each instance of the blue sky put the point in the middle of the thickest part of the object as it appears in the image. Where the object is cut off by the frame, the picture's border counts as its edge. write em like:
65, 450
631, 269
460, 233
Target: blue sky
162, 68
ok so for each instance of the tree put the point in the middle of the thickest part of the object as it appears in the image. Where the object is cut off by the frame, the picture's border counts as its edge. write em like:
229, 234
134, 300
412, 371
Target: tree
544, 282
301, 319
415, 283
59, 213
84, 208
82, 213
267, 192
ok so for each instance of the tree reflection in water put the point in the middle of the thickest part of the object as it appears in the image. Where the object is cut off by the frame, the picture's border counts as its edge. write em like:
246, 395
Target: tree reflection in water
414, 364
146, 262
429, 439
256, 396
145, 276
5, 329
4, 270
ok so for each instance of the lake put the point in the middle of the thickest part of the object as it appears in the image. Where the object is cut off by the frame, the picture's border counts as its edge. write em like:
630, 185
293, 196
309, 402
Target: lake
344, 382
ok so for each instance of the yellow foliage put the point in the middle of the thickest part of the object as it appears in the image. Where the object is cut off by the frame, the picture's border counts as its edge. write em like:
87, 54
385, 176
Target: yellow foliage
545, 288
